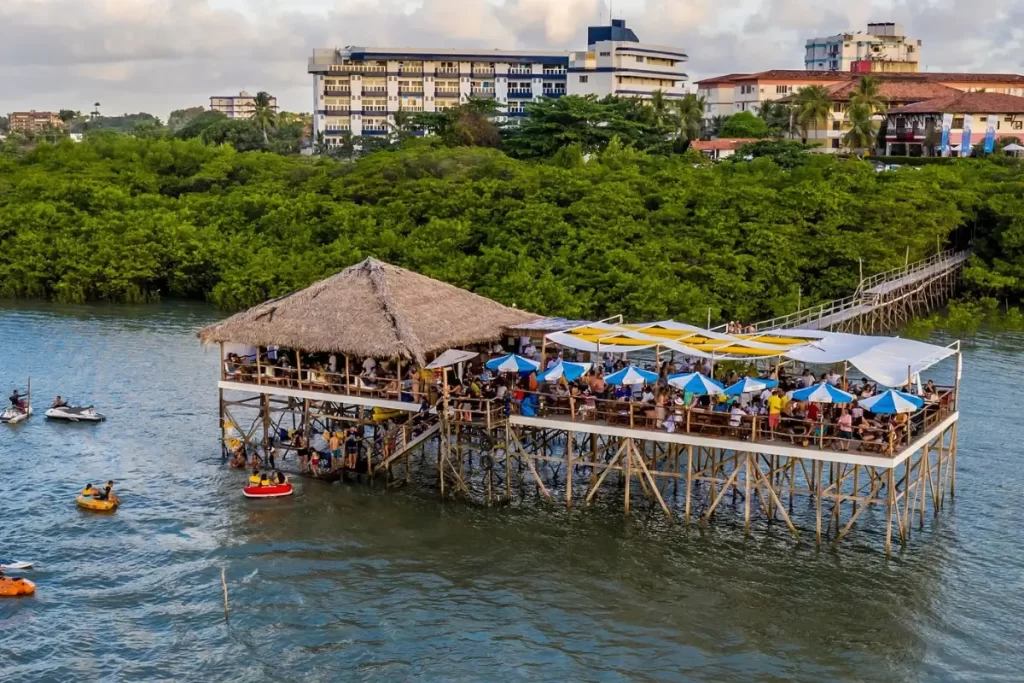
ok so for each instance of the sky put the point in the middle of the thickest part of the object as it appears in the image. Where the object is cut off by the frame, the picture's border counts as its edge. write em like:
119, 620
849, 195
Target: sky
160, 55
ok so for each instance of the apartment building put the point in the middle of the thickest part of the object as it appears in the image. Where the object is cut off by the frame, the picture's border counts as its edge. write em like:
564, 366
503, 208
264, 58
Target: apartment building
358, 89
240, 106
882, 47
733, 93
33, 121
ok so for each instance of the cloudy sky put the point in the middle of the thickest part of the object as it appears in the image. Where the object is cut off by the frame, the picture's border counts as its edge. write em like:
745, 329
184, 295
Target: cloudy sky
157, 55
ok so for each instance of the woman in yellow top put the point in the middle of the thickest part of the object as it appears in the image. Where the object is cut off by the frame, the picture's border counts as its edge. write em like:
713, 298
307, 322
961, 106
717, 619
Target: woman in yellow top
254, 478
89, 491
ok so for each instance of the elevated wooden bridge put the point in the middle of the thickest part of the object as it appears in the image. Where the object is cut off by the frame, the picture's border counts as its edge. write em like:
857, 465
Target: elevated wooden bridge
884, 301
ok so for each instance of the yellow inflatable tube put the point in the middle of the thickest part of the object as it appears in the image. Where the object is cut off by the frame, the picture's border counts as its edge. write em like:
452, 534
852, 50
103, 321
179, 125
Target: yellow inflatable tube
94, 504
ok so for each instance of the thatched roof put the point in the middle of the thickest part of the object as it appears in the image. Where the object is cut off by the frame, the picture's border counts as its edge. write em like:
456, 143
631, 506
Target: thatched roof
371, 309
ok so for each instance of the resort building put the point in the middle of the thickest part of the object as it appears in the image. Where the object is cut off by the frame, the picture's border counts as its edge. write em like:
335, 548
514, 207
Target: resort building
883, 47
33, 121
720, 148
356, 90
734, 93
916, 129
240, 106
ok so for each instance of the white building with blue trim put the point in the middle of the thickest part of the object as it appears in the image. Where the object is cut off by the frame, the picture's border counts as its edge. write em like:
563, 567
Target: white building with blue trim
358, 89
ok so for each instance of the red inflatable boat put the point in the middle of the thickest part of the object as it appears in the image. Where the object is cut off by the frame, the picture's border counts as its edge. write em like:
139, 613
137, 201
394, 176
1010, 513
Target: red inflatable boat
267, 491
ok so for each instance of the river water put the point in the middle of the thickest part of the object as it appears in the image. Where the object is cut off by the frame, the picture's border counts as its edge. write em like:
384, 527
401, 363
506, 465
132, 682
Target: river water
343, 583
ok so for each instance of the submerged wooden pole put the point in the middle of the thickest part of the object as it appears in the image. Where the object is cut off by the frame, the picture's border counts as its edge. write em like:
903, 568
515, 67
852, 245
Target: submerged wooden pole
224, 587
689, 480
568, 469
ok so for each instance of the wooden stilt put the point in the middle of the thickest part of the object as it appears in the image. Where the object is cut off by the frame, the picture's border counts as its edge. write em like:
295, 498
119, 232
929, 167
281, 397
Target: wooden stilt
689, 481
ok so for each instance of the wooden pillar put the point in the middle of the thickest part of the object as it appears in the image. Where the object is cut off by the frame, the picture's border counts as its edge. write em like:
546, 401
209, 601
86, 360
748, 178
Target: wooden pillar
890, 504
568, 469
689, 480
265, 409
629, 474
905, 521
259, 367
952, 455
817, 496
508, 462
348, 378
298, 367
746, 494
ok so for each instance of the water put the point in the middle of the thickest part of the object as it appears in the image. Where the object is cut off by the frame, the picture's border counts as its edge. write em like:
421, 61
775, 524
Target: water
344, 583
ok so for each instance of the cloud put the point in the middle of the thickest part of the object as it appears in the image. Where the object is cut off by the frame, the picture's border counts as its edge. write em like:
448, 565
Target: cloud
156, 55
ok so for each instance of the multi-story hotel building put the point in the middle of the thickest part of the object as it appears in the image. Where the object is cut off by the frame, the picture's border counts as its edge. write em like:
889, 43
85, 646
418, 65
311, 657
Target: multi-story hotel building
33, 121
240, 106
358, 89
883, 47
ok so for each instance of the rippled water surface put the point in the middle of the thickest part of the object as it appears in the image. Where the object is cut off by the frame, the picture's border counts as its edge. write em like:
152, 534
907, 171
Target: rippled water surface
344, 583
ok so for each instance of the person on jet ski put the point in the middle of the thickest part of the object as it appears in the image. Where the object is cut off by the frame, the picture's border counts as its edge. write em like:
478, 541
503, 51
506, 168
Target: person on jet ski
15, 399
59, 403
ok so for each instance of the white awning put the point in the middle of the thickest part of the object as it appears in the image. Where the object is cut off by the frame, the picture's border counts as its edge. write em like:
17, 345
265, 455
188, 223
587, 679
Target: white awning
451, 357
886, 360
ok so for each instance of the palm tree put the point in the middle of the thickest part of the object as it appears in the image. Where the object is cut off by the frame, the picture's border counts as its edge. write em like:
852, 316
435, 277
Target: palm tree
320, 146
713, 126
264, 114
779, 117
814, 105
688, 116
96, 110
659, 105
869, 95
401, 124
863, 129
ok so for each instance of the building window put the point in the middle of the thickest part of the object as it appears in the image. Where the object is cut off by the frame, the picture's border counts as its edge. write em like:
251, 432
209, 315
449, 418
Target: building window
584, 79
835, 125
781, 89
1018, 125
835, 143
640, 59
606, 54
958, 123
838, 107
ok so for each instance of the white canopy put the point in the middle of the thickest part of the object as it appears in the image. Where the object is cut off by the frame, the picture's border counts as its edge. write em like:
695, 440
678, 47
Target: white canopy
451, 357
886, 360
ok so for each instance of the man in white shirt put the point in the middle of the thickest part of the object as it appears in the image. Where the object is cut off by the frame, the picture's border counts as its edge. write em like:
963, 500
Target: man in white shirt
332, 363
765, 395
369, 365
832, 378
735, 415
529, 351
554, 361
807, 379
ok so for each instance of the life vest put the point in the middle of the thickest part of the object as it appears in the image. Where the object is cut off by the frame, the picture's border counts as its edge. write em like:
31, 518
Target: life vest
254, 479
88, 493
264, 481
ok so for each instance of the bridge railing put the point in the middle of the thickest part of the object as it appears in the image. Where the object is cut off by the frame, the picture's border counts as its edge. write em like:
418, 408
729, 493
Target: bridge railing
903, 271
824, 310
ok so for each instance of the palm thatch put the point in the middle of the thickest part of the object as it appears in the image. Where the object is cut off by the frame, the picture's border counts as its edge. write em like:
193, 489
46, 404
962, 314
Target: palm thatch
371, 309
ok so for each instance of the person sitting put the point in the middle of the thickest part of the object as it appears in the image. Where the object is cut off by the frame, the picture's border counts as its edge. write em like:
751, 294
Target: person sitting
89, 491
264, 480
254, 478
107, 493
59, 403
279, 478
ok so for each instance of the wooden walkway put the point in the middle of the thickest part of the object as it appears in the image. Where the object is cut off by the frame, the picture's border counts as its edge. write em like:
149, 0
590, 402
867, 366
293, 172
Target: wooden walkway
882, 301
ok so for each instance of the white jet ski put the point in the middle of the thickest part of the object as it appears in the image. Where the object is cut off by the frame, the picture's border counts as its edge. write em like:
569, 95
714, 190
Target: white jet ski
15, 415
75, 414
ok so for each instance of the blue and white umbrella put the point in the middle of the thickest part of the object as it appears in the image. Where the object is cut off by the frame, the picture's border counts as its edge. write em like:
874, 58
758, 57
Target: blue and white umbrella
750, 385
512, 363
822, 393
696, 383
632, 375
892, 402
564, 369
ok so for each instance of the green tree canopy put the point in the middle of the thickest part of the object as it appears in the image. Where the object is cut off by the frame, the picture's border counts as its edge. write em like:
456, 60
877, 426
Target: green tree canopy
744, 125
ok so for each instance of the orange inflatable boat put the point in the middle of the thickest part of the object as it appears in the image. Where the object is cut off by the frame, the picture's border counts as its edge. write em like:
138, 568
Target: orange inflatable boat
12, 587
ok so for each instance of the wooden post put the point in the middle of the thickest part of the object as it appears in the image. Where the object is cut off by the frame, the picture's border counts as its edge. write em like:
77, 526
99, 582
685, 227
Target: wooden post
817, 496
890, 504
348, 379
689, 480
568, 469
628, 473
298, 367
630, 412
746, 494
543, 353
259, 367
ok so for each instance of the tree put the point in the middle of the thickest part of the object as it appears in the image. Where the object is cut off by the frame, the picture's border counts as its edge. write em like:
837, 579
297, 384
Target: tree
660, 107
863, 129
778, 116
67, 116
932, 138
264, 113
3, 124
195, 127
179, 118
688, 115
868, 95
400, 125
744, 125
320, 146
814, 106
713, 126
243, 135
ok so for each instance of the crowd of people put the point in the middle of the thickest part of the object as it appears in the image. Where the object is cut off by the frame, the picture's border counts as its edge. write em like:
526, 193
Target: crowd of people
473, 391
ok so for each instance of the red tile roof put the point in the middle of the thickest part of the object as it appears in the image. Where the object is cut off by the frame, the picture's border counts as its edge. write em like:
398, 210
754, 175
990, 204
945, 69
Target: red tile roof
895, 91
721, 144
967, 103
927, 76
728, 78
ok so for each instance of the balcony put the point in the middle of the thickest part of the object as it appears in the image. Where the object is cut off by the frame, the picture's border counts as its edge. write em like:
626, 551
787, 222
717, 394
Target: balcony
520, 94
359, 68
554, 73
483, 92
447, 93
447, 70
906, 134
414, 70
375, 107
337, 108
410, 89
380, 89
375, 130
483, 71
554, 93
520, 71
332, 92
517, 113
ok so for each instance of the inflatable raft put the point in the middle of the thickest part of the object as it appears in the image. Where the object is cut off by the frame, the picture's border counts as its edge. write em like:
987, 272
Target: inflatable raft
95, 504
12, 587
267, 491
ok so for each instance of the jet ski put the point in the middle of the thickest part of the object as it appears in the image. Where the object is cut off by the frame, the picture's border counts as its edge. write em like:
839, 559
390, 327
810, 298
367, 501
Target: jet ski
75, 414
15, 415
